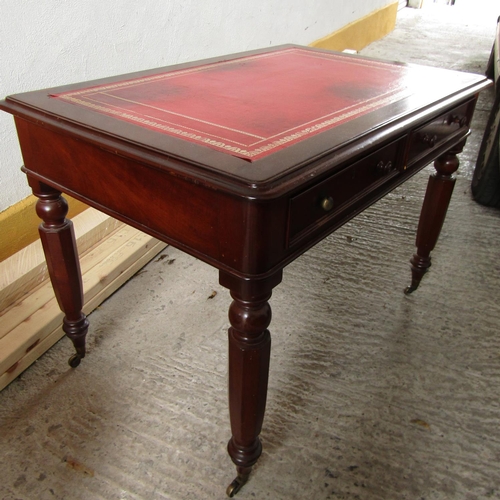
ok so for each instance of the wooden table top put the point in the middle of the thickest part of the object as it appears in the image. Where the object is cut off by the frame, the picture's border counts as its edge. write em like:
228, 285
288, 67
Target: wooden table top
251, 118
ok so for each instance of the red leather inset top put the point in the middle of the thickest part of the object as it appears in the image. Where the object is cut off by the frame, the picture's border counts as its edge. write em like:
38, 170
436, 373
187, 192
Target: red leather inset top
252, 106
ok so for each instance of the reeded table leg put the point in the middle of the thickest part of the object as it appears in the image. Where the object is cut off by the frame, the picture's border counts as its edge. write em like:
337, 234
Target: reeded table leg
59, 246
436, 201
249, 353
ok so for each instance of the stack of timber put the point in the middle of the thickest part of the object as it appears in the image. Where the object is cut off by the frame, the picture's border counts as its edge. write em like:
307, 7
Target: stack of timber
30, 319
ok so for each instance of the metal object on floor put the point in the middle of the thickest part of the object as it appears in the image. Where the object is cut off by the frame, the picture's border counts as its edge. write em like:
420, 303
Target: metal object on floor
486, 180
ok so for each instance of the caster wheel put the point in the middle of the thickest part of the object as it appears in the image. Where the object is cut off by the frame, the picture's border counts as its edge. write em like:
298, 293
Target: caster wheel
410, 289
235, 486
74, 361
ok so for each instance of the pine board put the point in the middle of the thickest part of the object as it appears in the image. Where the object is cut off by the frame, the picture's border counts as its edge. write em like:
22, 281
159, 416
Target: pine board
33, 325
26, 269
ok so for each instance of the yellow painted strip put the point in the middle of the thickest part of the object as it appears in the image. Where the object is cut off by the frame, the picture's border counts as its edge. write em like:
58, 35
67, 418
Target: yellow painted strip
362, 32
19, 224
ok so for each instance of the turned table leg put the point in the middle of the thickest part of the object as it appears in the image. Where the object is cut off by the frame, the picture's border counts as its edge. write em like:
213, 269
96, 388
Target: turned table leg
434, 208
59, 245
249, 353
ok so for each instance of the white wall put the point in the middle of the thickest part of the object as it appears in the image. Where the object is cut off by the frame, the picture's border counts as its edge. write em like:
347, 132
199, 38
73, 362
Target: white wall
45, 43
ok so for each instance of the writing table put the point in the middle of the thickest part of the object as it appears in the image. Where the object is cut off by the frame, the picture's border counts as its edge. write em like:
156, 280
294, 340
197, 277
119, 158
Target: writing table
244, 161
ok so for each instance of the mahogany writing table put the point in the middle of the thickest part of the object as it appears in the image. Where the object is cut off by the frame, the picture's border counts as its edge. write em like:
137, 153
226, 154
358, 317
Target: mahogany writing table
245, 162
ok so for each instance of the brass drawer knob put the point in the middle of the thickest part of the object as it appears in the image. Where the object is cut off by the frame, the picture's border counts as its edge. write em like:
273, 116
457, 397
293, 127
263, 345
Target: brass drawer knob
327, 203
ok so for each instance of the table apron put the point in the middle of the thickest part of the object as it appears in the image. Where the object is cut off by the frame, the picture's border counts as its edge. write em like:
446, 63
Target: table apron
243, 236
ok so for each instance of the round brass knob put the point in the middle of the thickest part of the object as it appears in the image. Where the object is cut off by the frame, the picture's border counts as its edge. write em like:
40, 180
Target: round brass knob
327, 203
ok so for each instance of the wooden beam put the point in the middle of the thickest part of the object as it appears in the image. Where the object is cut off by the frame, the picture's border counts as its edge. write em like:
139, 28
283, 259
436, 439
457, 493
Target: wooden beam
32, 325
26, 269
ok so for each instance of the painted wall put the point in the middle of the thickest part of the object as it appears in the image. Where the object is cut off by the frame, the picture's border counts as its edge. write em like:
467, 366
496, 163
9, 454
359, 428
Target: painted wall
45, 43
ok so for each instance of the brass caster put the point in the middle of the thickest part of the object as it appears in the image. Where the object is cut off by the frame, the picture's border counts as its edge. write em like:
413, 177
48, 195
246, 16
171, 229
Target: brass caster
236, 485
74, 361
410, 289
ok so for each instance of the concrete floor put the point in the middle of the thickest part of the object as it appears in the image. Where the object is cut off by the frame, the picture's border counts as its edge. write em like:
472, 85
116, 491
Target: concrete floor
373, 395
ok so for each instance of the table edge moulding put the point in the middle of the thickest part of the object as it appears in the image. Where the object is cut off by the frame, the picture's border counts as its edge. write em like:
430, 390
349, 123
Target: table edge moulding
245, 162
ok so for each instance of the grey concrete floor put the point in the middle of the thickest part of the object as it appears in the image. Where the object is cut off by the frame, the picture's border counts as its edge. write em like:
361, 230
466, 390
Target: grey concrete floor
373, 395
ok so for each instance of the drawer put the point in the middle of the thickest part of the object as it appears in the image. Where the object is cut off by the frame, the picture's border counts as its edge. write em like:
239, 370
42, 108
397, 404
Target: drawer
322, 202
438, 131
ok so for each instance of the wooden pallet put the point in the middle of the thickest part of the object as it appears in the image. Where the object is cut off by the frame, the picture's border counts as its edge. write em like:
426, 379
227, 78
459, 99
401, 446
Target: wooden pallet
33, 323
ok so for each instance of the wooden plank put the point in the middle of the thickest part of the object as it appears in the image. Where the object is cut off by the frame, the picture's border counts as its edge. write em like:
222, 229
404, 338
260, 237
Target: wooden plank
36, 312
21, 311
23, 271
30, 338
48, 341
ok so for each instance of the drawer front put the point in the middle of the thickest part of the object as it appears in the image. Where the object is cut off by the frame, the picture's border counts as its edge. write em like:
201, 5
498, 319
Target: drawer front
322, 202
438, 131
